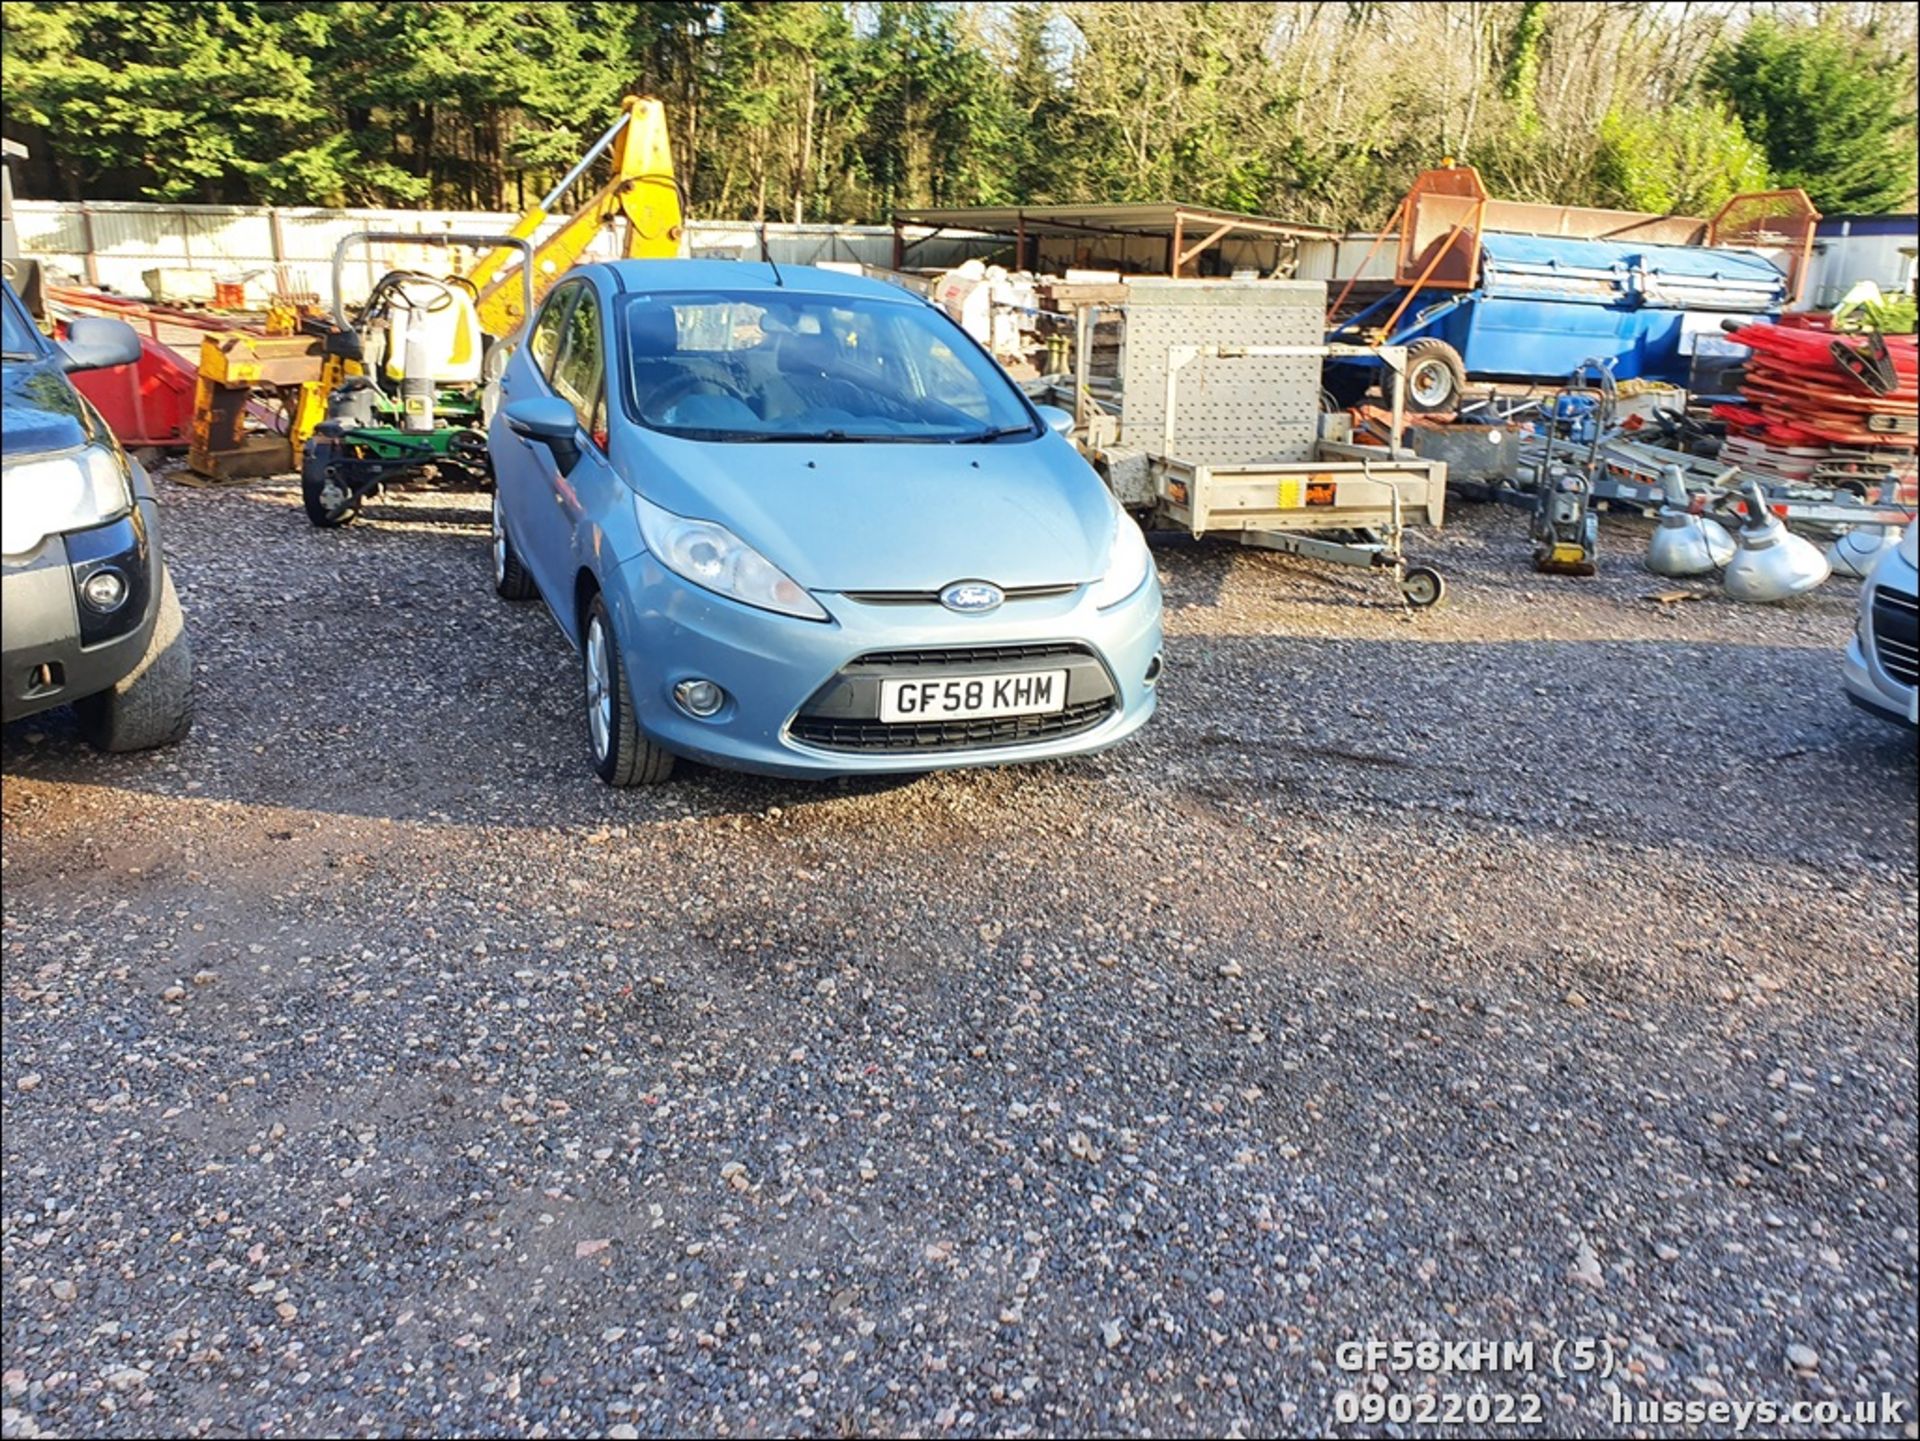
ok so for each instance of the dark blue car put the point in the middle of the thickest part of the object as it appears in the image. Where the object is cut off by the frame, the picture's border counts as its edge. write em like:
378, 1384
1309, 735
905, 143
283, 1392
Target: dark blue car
88, 616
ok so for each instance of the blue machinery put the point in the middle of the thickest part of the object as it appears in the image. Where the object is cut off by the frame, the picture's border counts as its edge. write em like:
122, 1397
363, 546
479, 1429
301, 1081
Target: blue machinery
1516, 291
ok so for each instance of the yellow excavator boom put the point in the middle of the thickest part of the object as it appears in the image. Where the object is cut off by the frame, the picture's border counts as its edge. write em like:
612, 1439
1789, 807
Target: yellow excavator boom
642, 192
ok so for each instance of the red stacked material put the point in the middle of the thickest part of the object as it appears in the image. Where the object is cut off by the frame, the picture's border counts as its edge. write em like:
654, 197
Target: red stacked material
1797, 394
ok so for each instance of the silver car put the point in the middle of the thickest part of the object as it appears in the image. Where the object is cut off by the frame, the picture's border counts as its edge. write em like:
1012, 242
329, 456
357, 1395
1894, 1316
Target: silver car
1883, 659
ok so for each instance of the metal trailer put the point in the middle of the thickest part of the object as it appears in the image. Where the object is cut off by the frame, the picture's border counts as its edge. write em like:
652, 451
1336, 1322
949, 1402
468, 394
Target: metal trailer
1515, 291
1625, 467
1216, 425
1501, 464
1629, 475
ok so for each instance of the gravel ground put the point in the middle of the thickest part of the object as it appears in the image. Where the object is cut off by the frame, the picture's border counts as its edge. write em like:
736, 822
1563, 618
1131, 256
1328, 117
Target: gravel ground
1541, 968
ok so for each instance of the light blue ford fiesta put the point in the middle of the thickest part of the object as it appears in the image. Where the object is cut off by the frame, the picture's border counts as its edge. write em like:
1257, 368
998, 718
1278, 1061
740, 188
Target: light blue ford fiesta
798, 522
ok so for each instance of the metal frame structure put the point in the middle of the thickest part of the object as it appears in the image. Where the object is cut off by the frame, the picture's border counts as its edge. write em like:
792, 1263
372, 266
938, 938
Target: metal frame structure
1259, 464
487, 243
1628, 473
1518, 289
1280, 505
1170, 222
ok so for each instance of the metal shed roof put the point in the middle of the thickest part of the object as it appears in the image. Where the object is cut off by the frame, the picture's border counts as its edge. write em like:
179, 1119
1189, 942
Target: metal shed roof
1158, 218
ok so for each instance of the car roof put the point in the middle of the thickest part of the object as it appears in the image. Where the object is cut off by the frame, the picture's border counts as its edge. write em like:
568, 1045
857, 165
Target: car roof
743, 275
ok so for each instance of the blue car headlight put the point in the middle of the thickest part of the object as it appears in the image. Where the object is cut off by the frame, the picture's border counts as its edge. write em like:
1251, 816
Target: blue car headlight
54, 493
715, 559
1128, 565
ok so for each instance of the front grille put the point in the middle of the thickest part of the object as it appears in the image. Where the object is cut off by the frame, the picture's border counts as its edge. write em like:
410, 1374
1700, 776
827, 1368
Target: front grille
1896, 634
950, 735
932, 597
963, 654
843, 715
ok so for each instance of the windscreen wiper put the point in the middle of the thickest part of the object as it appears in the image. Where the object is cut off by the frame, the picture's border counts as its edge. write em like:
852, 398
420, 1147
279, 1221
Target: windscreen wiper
812, 437
981, 437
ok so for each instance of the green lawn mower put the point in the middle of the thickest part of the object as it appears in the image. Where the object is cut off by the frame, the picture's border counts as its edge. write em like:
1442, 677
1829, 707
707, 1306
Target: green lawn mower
412, 379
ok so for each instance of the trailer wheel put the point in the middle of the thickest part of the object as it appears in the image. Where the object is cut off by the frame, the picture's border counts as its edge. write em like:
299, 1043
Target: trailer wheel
1436, 377
1422, 586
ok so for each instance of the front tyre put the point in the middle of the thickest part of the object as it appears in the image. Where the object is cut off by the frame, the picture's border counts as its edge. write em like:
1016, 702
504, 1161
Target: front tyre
153, 704
621, 755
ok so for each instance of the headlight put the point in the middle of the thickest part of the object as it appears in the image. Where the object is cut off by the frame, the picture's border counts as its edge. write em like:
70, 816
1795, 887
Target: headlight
714, 558
51, 494
1129, 567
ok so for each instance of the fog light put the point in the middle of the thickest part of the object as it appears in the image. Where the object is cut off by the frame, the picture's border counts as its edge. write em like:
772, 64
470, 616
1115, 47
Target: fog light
1153, 670
699, 698
105, 590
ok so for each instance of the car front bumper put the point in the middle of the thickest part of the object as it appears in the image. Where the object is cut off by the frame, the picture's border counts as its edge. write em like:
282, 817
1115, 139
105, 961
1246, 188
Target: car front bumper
52, 651
771, 666
1871, 689
1880, 665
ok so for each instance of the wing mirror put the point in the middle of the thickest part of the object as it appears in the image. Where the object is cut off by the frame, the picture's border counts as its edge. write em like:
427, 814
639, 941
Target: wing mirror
546, 420
95, 342
1059, 421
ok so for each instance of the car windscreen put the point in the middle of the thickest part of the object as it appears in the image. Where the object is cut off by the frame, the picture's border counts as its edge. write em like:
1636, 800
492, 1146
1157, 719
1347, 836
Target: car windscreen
17, 336
769, 367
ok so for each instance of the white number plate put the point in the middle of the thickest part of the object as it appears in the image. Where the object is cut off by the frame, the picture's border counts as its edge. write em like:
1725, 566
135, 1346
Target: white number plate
970, 697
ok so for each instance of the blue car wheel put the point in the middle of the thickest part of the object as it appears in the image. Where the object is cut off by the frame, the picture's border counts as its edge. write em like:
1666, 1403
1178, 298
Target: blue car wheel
510, 578
621, 755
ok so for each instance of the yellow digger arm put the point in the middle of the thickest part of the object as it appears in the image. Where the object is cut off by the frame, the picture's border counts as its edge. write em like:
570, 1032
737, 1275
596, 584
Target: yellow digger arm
650, 194
496, 261
643, 191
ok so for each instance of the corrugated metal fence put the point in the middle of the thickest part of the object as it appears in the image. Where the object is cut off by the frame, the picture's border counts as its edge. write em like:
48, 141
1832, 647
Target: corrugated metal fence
1847, 250
114, 243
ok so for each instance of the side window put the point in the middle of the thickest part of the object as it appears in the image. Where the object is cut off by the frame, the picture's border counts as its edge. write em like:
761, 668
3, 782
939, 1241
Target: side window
577, 368
547, 330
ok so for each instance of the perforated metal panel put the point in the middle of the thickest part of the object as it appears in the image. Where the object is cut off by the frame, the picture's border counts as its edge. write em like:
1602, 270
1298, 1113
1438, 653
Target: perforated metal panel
1228, 410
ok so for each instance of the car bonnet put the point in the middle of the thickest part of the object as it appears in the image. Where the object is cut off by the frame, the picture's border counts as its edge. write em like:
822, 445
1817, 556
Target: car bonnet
43, 412
895, 517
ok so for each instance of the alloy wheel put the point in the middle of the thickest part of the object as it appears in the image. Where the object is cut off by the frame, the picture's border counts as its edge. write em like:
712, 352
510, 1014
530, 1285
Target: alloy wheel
599, 690
499, 543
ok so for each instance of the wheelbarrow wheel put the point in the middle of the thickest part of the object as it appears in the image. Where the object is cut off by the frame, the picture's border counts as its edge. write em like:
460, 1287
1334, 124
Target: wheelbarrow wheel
1422, 586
